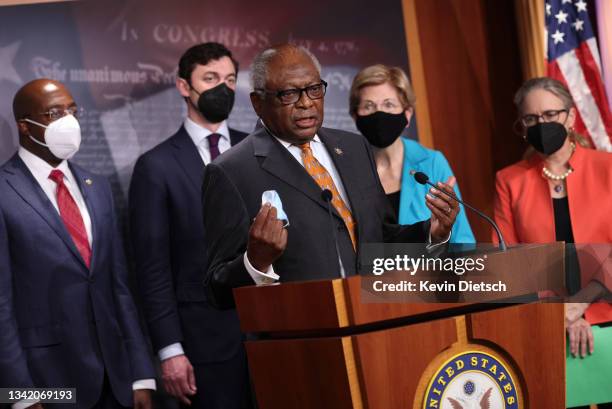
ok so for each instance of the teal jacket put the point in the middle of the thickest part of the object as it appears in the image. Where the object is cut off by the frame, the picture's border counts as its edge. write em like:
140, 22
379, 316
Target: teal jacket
412, 196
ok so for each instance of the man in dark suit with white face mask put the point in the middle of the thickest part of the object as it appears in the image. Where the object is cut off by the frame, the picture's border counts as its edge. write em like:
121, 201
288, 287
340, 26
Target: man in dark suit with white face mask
67, 317
200, 348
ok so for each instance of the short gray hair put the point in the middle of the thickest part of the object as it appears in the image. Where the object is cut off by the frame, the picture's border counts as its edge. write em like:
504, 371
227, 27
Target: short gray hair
547, 84
259, 67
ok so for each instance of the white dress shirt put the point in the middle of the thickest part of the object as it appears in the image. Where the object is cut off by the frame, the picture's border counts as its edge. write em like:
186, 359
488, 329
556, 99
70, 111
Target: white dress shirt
41, 171
199, 136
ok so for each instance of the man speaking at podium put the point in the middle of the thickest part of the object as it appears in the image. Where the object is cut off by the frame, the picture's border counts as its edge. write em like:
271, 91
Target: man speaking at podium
288, 234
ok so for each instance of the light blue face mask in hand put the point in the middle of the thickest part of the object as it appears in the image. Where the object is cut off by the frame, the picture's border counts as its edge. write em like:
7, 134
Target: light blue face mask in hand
270, 196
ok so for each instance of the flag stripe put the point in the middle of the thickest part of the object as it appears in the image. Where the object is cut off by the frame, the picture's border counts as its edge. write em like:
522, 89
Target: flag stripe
573, 58
592, 44
570, 68
554, 72
592, 75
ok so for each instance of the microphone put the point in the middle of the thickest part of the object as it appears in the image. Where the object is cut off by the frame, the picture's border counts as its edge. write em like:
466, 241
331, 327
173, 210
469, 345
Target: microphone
327, 197
423, 179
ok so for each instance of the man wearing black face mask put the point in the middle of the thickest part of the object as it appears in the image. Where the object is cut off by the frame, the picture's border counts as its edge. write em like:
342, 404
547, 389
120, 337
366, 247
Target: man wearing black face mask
202, 357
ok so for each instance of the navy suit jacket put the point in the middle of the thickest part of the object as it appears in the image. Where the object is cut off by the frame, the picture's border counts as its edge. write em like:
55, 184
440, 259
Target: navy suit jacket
62, 324
261, 163
167, 235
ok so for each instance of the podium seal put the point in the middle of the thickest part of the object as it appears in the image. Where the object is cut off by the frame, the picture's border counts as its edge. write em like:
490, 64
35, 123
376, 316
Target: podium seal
472, 380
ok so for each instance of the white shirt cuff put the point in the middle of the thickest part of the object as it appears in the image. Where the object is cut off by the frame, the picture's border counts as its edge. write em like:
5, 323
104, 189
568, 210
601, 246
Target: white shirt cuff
171, 351
431, 246
144, 384
23, 404
258, 277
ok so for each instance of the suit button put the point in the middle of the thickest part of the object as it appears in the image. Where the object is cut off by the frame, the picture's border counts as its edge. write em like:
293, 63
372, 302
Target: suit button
91, 280
341, 227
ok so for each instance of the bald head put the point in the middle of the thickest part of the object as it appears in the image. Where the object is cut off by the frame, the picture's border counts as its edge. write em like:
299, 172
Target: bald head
39, 96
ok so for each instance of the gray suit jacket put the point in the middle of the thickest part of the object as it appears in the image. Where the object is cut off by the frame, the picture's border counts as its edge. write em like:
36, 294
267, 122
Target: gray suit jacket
234, 183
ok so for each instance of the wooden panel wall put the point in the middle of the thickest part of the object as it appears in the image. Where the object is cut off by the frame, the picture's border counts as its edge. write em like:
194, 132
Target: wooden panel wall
471, 64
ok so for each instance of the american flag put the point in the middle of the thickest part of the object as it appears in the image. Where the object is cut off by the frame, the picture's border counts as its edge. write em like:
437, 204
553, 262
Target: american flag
573, 58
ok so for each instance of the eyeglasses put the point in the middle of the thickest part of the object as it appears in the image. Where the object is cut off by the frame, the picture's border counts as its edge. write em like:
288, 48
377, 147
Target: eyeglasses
56, 113
547, 116
293, 95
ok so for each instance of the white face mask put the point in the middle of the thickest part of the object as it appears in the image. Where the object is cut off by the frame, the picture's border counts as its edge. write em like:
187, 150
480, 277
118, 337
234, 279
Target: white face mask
62, 136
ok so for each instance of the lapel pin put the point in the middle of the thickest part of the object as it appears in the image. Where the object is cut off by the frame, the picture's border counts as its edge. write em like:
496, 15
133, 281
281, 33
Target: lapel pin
338, 151
88, 181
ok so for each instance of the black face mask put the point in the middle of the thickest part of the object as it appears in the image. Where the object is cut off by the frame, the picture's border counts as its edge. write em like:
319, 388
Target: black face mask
381, 129
547, 137
215, 104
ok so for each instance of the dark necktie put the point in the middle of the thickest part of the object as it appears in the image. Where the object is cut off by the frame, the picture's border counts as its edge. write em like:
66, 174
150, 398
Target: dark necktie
71, 215
213, 145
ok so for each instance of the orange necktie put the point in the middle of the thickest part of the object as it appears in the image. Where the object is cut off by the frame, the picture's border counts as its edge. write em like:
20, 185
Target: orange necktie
325, 181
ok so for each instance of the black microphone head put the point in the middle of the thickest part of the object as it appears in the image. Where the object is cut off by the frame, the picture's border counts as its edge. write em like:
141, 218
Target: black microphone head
421, 177
327, 195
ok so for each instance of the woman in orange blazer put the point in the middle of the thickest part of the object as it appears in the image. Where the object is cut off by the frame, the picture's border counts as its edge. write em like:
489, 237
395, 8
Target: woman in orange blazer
562, 191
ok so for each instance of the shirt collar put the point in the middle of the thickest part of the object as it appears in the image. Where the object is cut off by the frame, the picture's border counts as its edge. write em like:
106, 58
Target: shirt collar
39, 168
289, 144
198, 133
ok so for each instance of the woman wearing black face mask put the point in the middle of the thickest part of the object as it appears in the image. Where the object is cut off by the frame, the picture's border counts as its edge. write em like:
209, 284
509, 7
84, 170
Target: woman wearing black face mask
382, 104
562, 191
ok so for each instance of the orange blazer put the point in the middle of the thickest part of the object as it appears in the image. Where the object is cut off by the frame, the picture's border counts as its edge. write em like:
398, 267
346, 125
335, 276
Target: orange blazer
524, 209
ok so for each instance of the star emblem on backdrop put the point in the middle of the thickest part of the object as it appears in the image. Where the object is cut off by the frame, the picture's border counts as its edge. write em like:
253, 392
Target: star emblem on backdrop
7, 56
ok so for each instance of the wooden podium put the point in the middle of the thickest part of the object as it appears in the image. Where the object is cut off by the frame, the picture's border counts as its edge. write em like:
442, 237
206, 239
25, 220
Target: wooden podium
316, 345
